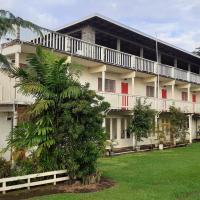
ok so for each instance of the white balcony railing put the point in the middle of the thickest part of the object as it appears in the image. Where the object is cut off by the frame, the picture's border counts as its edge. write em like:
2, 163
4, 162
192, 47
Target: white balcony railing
195, 78
165, 70
180, 74
142, 64
127, 102
79, 47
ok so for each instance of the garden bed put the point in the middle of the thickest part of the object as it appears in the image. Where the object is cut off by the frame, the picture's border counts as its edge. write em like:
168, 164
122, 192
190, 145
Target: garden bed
59, 188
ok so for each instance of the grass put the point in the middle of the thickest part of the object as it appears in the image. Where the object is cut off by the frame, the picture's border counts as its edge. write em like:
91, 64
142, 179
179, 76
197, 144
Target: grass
168, 175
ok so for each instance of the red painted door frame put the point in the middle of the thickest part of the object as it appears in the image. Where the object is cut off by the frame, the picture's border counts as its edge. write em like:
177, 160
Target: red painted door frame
124, 90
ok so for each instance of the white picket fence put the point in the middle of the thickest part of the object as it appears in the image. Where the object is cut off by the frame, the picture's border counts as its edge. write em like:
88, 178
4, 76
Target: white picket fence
50, 177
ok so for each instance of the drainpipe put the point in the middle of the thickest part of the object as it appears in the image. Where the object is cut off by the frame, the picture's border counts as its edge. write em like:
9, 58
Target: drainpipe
158, 79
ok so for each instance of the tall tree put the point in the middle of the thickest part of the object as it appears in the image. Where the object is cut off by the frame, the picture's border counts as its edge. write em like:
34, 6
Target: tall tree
64, 125
197, 51
9, 23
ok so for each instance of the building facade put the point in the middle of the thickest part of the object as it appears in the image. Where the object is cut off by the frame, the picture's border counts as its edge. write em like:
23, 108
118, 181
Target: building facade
121, 64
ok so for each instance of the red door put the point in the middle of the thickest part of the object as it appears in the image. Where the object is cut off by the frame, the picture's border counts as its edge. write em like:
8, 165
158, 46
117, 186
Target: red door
164, 96
194, 98
164, 93
124, 90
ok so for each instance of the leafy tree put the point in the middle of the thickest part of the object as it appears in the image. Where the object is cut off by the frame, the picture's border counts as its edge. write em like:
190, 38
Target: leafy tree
142, 121
9, 23
197, 51
178, 124
64, 126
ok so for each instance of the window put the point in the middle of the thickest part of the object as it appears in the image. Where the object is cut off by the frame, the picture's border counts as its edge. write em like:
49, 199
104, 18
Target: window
149, 91
109, 85
184, 96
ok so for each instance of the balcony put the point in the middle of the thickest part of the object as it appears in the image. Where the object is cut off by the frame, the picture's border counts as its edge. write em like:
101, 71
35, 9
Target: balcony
127, 102
74, 46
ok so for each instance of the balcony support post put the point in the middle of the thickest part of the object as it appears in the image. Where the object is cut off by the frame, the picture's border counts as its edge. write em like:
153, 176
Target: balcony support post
190, 128
111, 135
118, 44
133, 85
175, 62
141, 52
173, 91
118, 129
188, 93
103, 80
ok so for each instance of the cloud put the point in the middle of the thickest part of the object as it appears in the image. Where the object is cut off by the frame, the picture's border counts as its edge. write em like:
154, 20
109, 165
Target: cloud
174, 21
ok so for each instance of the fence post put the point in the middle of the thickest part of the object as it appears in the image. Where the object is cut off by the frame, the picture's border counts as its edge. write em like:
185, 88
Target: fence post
29, 181
4, 187
54, 176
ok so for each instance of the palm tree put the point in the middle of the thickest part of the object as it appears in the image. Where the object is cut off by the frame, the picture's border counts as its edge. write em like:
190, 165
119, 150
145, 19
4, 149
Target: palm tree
9, 23
51, 82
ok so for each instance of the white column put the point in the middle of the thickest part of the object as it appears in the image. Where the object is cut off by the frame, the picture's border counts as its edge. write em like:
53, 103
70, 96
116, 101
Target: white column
118, 44
188, 93
104, 122
175, 62
172, 91
155, 88
141, 52
159, 57
17, 60
189, 67
125, 126
111, 135
118, 129
190, 128
103, 80
133, 85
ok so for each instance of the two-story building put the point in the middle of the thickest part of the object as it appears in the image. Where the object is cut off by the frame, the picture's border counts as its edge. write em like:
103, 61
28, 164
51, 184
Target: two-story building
120, 63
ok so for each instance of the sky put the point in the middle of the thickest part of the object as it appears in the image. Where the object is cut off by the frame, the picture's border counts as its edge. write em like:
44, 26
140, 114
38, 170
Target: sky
174, 21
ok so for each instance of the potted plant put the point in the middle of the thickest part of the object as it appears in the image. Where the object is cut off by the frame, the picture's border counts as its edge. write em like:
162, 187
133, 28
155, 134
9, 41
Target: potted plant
160, 136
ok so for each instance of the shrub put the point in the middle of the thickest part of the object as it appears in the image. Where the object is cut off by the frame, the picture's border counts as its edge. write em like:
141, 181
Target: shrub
5, 168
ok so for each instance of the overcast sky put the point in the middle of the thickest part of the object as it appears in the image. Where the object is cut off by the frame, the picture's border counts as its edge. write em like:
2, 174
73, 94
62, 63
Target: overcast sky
174, 21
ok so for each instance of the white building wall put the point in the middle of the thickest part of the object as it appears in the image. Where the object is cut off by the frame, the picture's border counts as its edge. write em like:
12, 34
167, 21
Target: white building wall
5, 128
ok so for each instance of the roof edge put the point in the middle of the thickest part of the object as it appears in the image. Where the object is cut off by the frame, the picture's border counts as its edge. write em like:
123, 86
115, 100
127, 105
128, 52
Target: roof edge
128, 28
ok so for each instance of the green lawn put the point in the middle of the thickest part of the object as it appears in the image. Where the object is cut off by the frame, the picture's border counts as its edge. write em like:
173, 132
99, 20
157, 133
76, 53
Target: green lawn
167, 175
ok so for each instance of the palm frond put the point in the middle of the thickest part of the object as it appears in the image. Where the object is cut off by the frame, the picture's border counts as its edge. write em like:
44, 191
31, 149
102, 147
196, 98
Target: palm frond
4, 63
